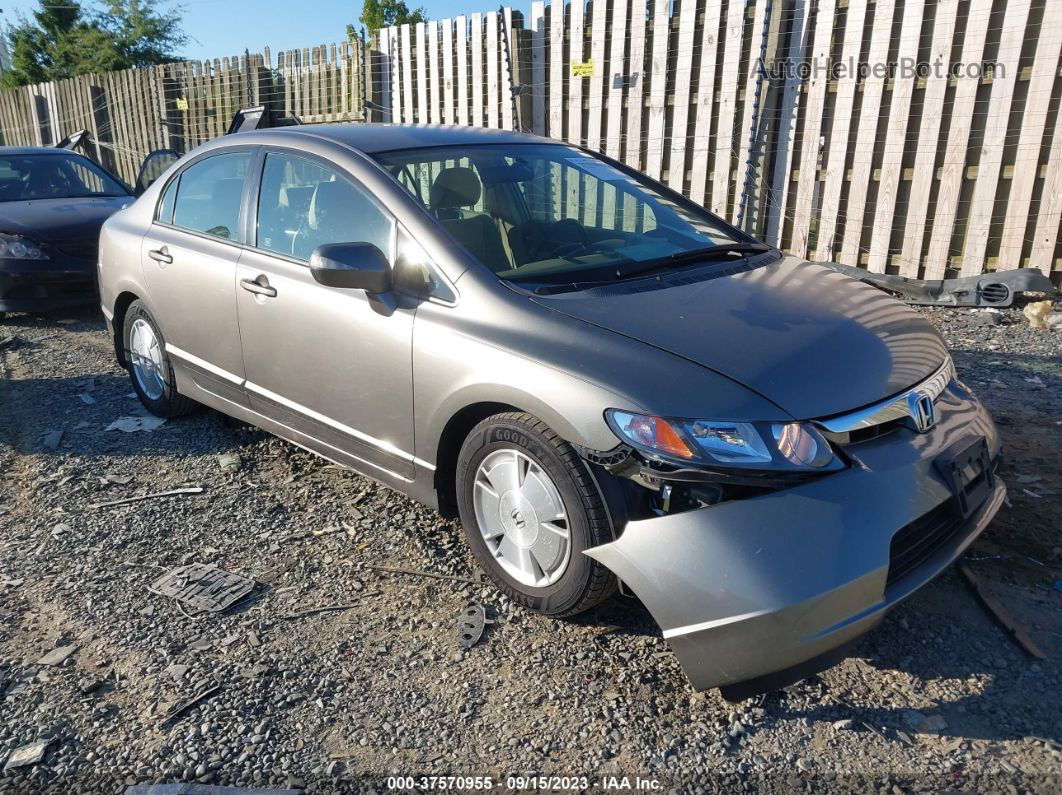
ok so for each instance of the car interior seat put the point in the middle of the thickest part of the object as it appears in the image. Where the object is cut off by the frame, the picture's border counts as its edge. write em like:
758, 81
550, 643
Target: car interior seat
455, 190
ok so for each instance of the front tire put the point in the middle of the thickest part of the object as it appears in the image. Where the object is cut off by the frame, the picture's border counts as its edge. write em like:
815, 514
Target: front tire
529, 508
150, 368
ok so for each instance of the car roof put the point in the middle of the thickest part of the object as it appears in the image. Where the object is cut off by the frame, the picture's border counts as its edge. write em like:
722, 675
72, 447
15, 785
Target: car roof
18, 151
374, 138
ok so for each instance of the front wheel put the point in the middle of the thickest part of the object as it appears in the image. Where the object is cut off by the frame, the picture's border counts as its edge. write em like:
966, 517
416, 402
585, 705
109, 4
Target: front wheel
530, 508
149, 365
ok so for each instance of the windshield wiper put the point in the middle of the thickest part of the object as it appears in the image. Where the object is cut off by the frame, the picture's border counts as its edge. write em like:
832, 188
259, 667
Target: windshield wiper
661, 263
693, 255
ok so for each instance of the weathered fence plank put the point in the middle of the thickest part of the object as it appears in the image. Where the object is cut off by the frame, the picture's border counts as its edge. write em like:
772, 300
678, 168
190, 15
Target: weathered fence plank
939, 173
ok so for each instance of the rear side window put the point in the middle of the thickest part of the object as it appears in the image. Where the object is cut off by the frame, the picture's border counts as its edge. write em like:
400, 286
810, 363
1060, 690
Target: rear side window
304, 204
209, 194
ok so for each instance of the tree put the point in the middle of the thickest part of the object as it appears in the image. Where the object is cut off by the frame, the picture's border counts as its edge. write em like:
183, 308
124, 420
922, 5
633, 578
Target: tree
376, 14
143, 35
63, 40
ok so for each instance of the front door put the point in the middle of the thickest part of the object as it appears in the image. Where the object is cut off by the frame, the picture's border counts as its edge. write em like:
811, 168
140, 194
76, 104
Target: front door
189, 258
331, 364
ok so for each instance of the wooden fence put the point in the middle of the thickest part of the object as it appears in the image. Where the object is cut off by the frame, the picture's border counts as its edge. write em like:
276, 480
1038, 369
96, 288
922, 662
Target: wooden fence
181, 105
955, 168
943, 170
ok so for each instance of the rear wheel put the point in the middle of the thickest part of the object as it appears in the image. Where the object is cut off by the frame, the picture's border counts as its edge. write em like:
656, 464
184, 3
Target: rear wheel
530, 508
150, 368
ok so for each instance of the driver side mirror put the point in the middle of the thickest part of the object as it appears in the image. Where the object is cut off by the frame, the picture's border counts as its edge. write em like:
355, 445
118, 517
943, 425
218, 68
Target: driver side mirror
358, 266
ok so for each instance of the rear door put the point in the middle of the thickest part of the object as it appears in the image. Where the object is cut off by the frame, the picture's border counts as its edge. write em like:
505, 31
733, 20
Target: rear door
189, 258
331, 364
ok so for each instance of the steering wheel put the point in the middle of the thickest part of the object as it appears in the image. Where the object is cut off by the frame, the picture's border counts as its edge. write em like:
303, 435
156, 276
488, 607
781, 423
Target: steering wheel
557, 239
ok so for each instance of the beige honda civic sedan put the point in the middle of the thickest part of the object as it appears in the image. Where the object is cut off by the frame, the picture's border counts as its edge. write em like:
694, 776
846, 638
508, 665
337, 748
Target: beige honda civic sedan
604, 381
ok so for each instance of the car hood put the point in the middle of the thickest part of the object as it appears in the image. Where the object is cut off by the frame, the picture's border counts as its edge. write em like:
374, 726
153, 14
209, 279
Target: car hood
812, 341
59, 220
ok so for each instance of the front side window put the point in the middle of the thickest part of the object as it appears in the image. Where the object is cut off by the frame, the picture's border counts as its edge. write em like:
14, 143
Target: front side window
304, 204
549, 214
54, 176
209, 194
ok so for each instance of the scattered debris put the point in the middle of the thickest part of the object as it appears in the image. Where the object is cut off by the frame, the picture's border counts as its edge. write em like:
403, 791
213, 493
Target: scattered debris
118, 480
203, 789
252, 639
203, 587
27, 755
177, 671
230, 462
10, 341
1002, 617
932, 724
180, 709
986, 289
314, 610
86, 398
132, 424
51, 440
470, 626
89, 686
58, 655
987, 317
1036, 313
171, 493
432, 575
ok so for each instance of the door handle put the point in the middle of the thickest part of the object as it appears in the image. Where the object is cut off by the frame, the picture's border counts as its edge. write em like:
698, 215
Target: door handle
259, 286
161, 255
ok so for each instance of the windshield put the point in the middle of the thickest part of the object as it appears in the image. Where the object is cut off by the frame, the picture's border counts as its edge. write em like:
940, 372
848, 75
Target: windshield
54, 176
550, 214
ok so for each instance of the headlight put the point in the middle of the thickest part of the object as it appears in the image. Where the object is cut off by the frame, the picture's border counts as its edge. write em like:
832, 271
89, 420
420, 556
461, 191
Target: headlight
15, 247
746, 445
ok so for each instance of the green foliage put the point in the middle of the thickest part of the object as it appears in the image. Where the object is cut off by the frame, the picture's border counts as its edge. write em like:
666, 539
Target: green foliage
64, 40
376, 14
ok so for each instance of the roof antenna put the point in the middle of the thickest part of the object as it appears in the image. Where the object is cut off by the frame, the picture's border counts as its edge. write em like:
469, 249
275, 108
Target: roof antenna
515, 89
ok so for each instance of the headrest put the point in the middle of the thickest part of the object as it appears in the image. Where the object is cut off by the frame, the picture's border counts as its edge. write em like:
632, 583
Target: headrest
455, 187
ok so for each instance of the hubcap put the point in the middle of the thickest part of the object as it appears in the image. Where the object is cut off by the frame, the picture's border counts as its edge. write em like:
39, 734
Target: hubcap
145, 353
522, 518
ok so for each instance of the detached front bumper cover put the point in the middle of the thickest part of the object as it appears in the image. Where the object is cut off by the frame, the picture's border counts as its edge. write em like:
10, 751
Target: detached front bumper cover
746, 589
987, 289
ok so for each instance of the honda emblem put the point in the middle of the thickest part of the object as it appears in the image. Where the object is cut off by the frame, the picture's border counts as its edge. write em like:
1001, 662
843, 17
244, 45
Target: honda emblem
922, 411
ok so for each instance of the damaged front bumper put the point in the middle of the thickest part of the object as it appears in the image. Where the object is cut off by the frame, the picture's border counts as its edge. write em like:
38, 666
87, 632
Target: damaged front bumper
757, 593
41, 285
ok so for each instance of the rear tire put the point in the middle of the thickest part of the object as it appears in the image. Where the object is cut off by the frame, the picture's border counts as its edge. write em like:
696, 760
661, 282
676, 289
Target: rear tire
150, 367
535, 565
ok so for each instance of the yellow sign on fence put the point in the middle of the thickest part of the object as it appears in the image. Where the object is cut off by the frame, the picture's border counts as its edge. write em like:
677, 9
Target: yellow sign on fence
585, 69
182, 103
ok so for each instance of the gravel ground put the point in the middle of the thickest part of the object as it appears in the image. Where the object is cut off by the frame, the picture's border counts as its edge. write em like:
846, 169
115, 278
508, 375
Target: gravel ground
938, 698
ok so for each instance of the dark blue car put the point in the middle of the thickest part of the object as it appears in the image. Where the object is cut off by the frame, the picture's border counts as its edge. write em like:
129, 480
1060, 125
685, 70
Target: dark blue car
52, 205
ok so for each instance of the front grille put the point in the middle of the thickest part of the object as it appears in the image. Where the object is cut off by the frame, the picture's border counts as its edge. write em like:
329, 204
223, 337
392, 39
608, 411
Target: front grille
921, 539
857, 435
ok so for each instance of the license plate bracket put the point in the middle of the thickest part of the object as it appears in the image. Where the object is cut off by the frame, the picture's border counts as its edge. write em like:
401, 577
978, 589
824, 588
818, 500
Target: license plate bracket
967, 469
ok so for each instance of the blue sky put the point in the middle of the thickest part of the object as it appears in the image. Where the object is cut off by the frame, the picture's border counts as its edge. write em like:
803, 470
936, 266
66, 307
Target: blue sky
228, 27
